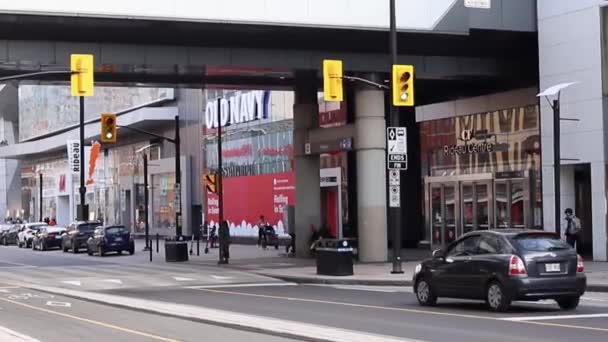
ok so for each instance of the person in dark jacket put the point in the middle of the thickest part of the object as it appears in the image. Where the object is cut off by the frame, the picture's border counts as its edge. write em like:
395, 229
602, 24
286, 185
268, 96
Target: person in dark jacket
224, 235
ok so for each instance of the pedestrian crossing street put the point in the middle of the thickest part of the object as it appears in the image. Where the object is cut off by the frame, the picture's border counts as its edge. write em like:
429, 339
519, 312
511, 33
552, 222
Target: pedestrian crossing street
125, 276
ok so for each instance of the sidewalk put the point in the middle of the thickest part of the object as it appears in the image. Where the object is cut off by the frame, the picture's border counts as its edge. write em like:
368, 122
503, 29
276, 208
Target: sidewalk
380, 275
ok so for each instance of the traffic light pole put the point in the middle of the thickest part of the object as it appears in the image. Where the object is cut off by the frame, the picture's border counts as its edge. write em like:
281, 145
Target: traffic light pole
220, 178
146, 202
178, 181
83, 187
394, 213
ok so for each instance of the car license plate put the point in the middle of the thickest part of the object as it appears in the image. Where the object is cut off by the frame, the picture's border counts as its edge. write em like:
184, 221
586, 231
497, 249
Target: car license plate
118, 239
552, 267
57, 237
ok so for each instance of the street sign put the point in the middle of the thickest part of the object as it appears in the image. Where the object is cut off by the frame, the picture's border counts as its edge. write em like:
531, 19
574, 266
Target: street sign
394, 197
484, 4
397, 161
396, 138
394, 178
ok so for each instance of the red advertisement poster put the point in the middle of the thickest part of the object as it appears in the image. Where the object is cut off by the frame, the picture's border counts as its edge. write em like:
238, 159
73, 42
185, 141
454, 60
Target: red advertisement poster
246, 198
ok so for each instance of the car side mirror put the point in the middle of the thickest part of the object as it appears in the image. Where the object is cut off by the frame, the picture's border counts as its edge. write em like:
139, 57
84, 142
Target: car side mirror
438, 254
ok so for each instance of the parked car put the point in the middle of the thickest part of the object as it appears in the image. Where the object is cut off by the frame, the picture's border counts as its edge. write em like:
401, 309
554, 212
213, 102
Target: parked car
9, 236
4, 229
26, 233
111, 239
77, 235
48, 237
503, 266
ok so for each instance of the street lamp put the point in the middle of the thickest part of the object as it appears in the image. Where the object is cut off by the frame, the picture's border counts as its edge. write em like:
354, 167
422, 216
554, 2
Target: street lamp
146, 194
555, 93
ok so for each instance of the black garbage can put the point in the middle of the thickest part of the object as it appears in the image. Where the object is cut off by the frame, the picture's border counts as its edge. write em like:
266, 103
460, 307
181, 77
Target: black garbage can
334, 257
176, 251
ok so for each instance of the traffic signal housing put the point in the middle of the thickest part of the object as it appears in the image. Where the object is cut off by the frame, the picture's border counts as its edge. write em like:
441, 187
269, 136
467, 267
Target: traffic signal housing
108, 128
82, 79
403, 85
211, 183
333, 90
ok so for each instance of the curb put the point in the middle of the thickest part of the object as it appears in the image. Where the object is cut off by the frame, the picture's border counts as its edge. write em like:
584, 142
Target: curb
373, 282
338, 281
238, 321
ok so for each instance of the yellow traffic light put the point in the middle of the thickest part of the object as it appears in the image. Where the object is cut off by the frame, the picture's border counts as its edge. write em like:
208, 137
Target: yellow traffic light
108, 128
332, 81
210, 182
403, 85
82, 78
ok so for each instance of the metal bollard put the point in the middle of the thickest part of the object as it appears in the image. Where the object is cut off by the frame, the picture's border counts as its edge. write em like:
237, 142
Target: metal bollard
157, 242
150, 250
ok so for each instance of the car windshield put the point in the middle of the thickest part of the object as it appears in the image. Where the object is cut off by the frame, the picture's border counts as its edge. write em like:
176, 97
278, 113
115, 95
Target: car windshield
116, 230
36, 228
87, 228
540, 242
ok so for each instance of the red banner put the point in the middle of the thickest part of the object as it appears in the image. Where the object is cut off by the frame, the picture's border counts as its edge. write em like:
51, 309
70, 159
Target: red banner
246, 198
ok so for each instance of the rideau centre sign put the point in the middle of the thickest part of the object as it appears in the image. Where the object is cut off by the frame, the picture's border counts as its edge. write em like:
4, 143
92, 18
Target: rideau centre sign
467, 135
239, 108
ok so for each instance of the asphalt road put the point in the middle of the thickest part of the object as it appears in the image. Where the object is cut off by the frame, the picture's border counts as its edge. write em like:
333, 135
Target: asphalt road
395, 312
378, 310
52, 318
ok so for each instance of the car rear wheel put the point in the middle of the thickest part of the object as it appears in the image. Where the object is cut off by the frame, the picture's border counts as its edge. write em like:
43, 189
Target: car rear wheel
496, 297
568, 303
424, 293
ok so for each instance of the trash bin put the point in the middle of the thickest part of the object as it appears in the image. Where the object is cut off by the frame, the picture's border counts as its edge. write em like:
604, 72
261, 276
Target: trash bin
176, 251
334, 257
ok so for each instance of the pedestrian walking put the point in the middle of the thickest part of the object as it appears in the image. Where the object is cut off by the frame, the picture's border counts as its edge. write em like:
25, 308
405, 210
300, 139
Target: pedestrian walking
261, 231
571, 227
224, 235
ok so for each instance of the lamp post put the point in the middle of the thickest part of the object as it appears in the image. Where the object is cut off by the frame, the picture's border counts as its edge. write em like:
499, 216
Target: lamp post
555, 93
144, 156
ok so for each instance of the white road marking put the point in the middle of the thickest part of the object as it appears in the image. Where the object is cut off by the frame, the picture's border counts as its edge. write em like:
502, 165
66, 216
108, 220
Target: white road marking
114, 281
73, 282
59, 304
4, 291
8, 335
556, 317
220, 277
594, 299
9, 287
201, 287
363, 288
182, 279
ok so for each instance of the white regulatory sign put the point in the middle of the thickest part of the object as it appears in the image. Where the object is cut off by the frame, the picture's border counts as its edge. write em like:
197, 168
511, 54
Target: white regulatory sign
397, 140
485, 4
394, 196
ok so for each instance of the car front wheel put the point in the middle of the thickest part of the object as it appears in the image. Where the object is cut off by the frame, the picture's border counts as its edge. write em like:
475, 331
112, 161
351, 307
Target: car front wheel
568, 303
496, 297
424, 293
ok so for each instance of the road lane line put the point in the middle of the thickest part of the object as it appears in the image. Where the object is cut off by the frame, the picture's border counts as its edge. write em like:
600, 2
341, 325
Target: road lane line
389, 308
90, 321
219, 286
8, 335
556, 317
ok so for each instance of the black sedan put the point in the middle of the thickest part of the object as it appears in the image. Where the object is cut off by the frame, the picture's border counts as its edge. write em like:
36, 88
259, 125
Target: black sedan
8, 236
77, 235
503, 266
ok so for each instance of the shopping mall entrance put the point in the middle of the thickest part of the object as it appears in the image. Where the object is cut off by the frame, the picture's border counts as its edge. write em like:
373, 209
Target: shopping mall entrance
456, 205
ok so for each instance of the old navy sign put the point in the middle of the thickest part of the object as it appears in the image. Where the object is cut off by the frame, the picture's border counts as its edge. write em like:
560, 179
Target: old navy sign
239, 108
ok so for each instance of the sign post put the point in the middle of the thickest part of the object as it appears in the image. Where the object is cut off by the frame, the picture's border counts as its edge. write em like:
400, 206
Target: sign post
396, 143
